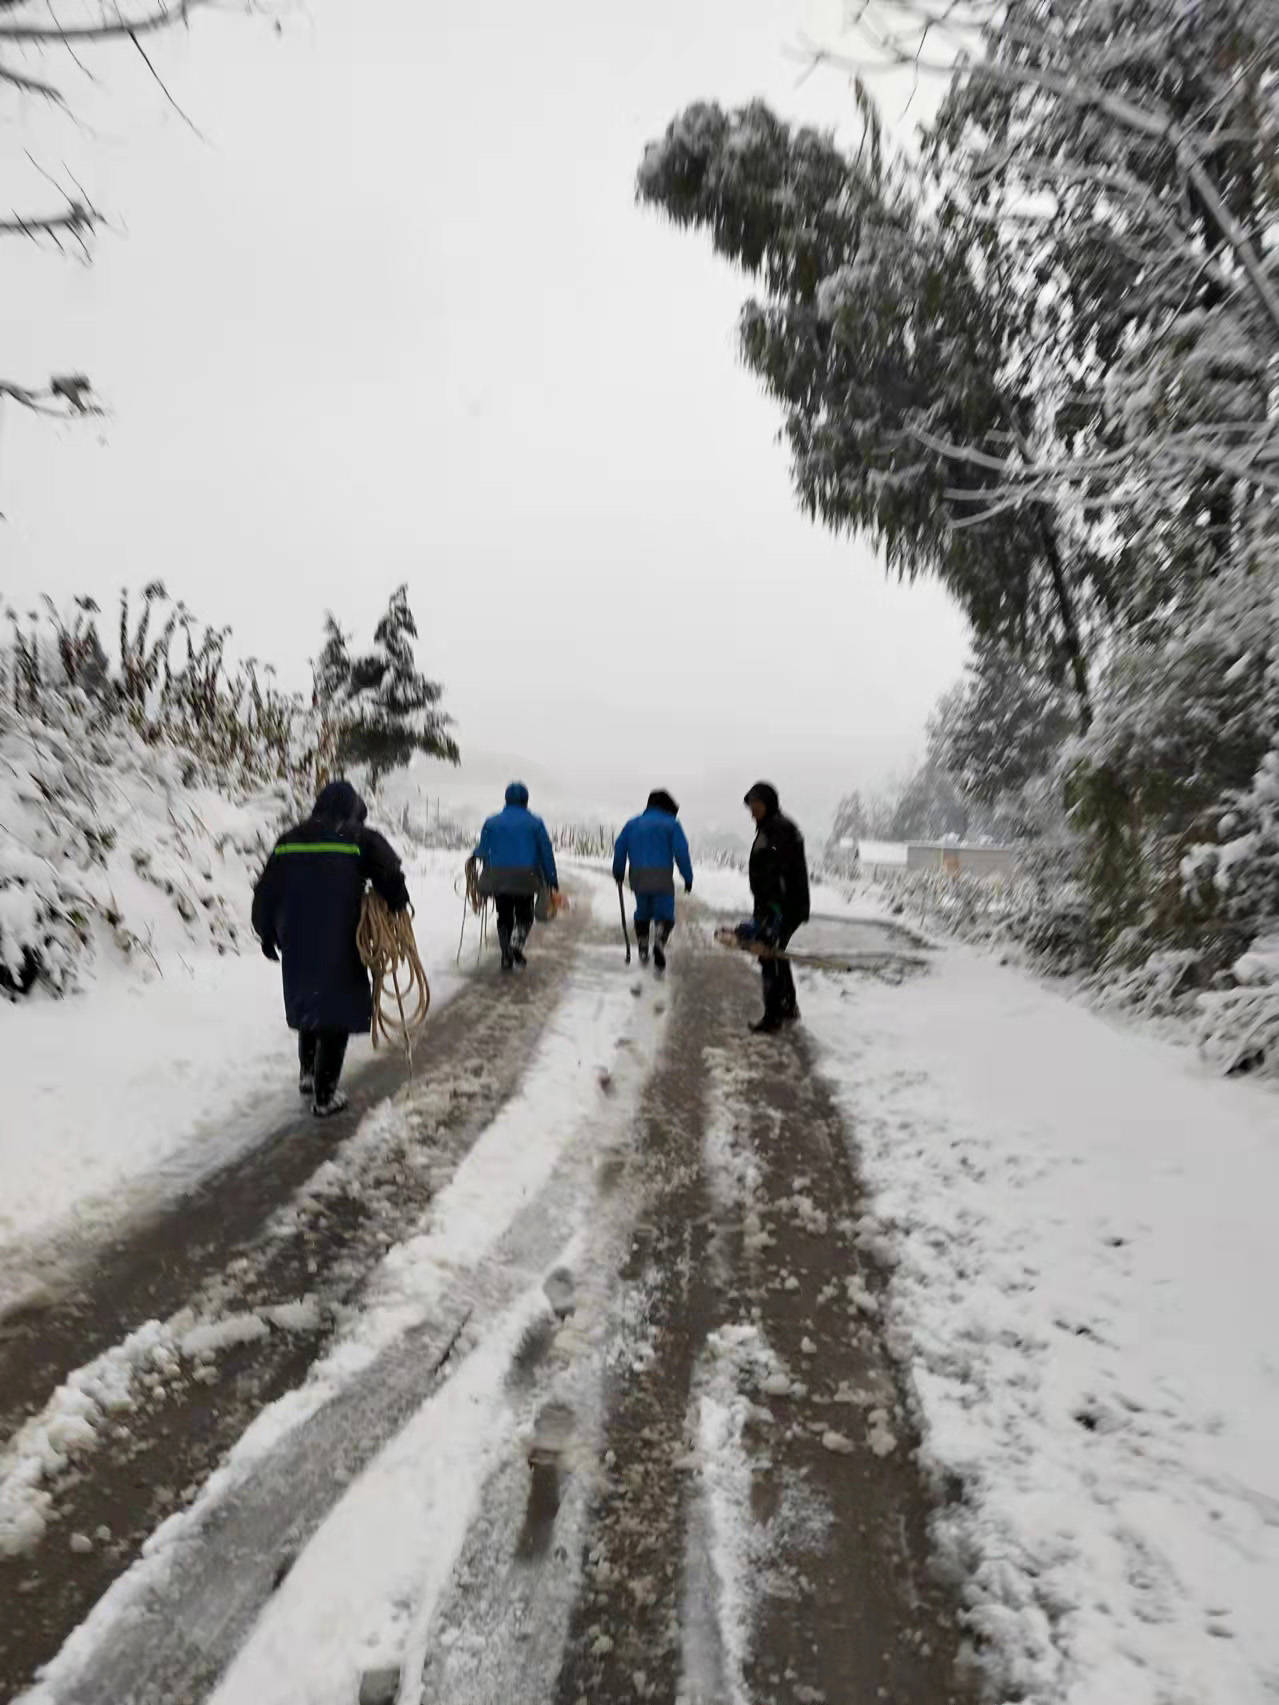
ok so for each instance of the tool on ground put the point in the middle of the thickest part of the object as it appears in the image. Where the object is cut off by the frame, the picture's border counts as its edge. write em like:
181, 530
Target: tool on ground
859, 961
388, 949
626, 934
473, 900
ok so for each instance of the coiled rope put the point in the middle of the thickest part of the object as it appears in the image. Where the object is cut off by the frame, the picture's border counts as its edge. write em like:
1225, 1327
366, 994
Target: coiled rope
401, 993
472, 901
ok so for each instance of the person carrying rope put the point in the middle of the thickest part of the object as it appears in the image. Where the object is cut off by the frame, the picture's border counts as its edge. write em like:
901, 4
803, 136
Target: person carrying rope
516, 859
307, 908
654, 843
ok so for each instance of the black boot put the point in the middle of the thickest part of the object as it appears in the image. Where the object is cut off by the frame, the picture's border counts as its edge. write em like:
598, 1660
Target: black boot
518, 938
769, 1025
641, 942
504, 942
659, 946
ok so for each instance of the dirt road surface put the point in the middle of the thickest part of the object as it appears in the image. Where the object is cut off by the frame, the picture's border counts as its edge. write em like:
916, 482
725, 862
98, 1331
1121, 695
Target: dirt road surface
709, 1489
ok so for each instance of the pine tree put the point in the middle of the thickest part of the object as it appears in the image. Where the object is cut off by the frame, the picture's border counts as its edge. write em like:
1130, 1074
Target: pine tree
389, 710
331, 671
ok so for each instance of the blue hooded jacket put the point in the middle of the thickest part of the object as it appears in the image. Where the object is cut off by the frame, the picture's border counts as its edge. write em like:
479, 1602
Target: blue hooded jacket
306, 908
515, 849
653, 842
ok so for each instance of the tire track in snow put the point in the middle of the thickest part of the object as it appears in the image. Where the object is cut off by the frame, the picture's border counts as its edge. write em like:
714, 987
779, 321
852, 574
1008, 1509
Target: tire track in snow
751, 1541
223, 1250
167, 1631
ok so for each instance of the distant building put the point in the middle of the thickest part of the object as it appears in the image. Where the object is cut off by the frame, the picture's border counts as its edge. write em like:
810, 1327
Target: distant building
956, 859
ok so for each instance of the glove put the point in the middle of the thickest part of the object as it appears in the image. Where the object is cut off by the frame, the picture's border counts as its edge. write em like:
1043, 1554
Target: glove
688, 887
746, 931
268, 950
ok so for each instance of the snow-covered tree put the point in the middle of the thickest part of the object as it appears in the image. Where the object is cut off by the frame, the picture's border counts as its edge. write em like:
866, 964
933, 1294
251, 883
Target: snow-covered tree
1000, 736
387, 709
1042, 362
880, 329
331, 671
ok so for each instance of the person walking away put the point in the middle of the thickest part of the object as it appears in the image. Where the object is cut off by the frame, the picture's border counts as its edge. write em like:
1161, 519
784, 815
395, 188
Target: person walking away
517, 858
306, 909
779, 888
654, 843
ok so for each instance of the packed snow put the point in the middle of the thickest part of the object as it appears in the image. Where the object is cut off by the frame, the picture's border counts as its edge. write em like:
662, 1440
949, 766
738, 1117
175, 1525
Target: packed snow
1079, 1224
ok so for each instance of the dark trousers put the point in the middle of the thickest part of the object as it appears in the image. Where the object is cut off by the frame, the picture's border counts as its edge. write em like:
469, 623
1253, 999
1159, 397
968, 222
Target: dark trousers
663, 928
320, 1055
779, 984
514, 911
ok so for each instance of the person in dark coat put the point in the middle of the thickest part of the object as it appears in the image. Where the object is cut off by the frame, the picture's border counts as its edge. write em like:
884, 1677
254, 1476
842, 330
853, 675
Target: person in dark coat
306, 908
779, 888
516, 859
654, 843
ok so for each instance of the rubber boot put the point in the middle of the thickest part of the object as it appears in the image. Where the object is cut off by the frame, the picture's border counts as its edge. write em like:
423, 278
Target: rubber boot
504, 942
641, 942
659, 946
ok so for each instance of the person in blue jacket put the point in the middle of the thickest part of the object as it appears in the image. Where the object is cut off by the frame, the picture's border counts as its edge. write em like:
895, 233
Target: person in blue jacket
517, 859
306, 907
654, 843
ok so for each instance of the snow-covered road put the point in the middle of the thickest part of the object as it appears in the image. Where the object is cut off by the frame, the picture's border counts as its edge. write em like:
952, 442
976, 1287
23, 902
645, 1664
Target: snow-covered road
921, 1354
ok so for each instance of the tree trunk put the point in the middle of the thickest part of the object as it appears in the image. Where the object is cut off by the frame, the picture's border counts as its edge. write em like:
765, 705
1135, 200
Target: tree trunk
1069, 626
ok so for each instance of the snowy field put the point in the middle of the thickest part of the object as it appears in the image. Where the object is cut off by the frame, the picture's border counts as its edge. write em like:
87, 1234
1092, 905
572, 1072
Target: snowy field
159, 1070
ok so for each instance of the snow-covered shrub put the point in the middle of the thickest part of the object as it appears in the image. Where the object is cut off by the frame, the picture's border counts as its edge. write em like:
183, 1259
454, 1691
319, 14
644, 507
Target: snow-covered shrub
115, 841
1041, 911
1238, 1025
44, 923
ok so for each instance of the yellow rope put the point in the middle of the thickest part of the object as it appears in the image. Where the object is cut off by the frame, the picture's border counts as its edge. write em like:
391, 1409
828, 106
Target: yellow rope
472, 900
389, 950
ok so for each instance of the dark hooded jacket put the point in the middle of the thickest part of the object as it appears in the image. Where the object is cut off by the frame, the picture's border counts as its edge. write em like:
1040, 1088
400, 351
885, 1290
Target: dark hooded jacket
654, 843
307, 906
779, 866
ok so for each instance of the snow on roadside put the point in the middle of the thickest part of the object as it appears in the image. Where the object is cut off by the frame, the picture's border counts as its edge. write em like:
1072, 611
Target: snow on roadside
1079, 1223
598, 1031
352, 1599
156, 1073
85, 1413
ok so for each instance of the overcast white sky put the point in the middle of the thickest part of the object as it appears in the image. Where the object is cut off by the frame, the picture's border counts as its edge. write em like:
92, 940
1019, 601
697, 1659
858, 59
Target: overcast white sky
398, 318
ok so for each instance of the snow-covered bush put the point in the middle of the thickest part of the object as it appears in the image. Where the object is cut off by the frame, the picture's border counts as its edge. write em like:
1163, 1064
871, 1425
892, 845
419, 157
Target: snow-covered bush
115, 844
136, 800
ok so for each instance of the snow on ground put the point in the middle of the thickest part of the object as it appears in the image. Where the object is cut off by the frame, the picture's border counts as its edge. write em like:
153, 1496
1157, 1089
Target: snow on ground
159, 1069
1080, 1224
349, 1600
361, 1589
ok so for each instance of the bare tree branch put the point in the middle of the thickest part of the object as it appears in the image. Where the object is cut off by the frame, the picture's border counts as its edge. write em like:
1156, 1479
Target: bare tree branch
76, 221
164, 17
164, 89
30, 85
67, 396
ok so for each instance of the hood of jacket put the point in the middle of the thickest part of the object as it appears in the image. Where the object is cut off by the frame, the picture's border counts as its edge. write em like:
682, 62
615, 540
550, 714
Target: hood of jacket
340, 803
517, 794
660, 800
766, 793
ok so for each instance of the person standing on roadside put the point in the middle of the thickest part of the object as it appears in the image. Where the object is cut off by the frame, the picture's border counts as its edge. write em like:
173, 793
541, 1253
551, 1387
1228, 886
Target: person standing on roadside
779, 889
